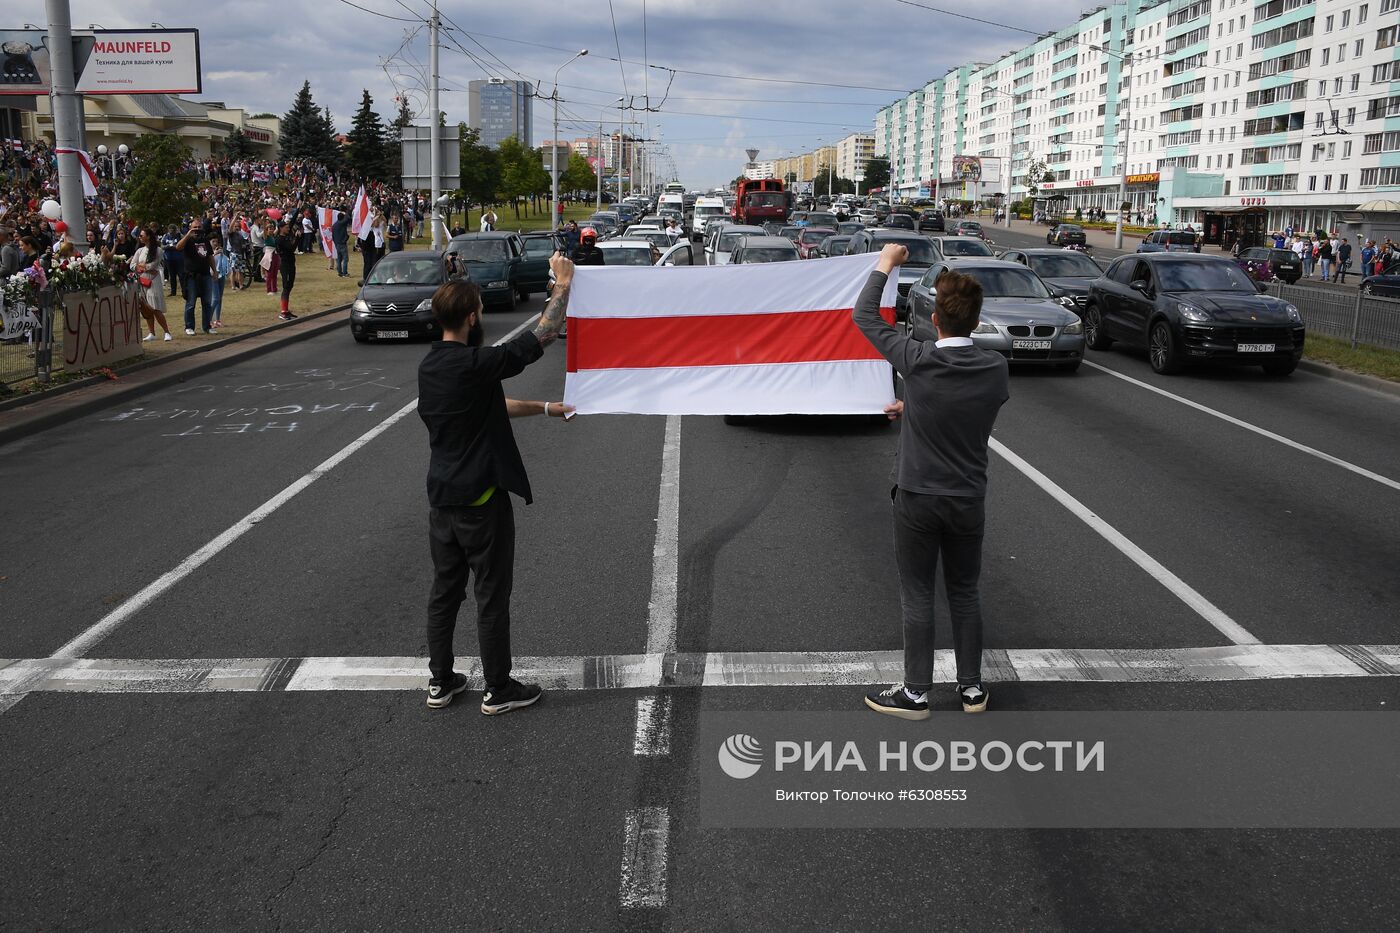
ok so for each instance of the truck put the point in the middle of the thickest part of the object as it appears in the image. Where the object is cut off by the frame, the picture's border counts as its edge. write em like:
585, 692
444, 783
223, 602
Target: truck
760, 201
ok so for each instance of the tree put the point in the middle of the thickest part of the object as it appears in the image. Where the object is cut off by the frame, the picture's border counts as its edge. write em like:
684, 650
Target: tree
1037, 173
516, 180
481, 168
578, 176
161, 187
308, 131
836, 183
368, 154
877, 174
393, 137
237, 146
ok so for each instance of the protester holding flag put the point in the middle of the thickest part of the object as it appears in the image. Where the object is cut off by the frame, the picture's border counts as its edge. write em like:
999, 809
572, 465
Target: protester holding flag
340, 239
952, 393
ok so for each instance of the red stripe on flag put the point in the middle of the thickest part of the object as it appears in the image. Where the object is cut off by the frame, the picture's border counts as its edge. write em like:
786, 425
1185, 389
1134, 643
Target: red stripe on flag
718, 340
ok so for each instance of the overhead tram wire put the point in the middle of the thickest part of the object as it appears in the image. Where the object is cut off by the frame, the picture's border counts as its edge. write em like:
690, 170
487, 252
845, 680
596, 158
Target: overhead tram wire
398, 19
618, 44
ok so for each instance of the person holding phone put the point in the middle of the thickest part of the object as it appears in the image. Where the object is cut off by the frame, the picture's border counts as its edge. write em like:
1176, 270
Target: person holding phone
199, 270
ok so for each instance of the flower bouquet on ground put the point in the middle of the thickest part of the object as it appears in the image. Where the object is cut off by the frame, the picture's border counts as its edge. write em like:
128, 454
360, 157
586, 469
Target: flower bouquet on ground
90, 272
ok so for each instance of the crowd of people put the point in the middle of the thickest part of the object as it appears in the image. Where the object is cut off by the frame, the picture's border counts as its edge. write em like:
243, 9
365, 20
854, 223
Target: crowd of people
255, 220
1331, 257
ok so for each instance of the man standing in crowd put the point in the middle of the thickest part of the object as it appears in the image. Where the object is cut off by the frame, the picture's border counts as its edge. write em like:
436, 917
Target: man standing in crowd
340, 239
952, 393
1343, 261
371, 240
588, 253
199, 275
9, 253
474, 466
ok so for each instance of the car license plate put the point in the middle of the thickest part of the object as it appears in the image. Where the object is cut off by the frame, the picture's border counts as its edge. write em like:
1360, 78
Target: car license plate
1030, 344
1256, 348
392, 335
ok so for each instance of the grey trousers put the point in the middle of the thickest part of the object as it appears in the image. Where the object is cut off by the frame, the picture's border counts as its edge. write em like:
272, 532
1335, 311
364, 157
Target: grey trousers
925, 529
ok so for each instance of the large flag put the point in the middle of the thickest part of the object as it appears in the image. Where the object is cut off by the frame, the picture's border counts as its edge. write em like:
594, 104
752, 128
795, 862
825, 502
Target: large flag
325, 218
754, 339
85, 170
359, 214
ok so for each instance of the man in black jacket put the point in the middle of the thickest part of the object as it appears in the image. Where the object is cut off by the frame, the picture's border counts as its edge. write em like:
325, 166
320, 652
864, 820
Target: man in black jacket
952, 393
473, 468
588, 253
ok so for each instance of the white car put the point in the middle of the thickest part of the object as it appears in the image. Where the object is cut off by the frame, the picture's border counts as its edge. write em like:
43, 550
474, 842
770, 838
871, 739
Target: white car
723, 240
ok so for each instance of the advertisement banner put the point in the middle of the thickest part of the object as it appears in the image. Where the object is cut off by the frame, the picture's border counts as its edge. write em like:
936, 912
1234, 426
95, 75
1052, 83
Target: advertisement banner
967, 168
142, 61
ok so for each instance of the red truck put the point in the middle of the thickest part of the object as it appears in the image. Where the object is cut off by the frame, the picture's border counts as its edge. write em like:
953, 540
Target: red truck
759, 201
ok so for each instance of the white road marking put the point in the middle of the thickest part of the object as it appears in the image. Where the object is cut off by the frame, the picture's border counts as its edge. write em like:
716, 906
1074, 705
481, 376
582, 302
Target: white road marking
1262, 432
1179, 587
646, 836
715, 669
84, 642
665, 555
653, 737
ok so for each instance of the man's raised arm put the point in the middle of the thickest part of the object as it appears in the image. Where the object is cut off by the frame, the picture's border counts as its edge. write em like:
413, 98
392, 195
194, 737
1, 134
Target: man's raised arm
899, 349
552, 320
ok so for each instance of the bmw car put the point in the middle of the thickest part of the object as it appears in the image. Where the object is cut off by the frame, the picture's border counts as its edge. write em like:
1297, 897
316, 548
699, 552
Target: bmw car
1021, 319
1068, 272
396, 301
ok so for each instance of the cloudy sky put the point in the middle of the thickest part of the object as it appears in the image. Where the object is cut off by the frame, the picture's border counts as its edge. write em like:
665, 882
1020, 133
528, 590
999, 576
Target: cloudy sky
856, 54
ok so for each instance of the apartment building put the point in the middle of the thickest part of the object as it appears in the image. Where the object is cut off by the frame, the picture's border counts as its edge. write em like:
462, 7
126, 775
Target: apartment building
852, 153
1225, 114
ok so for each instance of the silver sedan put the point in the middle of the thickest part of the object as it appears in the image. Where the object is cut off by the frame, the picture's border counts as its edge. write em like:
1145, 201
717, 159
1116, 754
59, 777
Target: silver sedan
1020, 319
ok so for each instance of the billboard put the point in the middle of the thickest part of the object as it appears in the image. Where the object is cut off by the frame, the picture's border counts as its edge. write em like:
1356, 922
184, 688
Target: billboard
105, 61
141, 61
967, 168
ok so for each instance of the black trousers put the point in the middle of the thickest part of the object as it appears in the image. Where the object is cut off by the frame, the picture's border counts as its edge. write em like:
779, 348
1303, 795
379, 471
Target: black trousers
927, 528
477, 541
370, 254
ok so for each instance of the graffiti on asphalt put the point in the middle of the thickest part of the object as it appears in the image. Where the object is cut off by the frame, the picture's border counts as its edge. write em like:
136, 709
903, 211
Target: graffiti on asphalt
331, 380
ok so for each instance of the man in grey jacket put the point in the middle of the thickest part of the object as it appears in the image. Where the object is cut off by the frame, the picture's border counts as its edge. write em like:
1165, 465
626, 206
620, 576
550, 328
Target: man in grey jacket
10, 254
952, 393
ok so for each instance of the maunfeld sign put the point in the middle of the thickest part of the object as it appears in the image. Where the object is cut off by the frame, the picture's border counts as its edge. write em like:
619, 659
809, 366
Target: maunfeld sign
142, 61
1050, 769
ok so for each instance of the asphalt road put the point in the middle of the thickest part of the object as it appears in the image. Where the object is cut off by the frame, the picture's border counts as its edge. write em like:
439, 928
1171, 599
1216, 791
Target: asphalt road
165, 802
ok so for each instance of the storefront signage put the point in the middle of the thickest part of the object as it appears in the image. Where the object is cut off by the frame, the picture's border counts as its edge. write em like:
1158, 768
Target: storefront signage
1254, 202
258, 136
1148, 178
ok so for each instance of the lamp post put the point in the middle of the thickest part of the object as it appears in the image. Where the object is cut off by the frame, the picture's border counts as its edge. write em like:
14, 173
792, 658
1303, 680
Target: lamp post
554, 143
111, 156
1123, 177
621, 120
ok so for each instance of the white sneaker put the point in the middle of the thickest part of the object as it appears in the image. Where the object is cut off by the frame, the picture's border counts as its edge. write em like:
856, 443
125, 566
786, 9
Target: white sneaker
189, 331
167, 336
148, 337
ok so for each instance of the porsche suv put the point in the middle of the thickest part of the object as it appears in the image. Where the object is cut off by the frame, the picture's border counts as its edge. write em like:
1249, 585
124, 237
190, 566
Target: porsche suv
1184, 308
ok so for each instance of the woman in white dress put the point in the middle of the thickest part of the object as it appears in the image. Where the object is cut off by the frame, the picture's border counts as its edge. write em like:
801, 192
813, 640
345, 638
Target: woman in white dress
146, 263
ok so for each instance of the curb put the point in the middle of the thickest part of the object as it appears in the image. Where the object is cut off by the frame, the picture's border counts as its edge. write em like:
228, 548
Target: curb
17, 425
1329, 371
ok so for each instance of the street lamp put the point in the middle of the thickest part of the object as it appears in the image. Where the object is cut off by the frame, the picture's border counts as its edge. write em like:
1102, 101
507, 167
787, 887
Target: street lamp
621, 117
554, 142
103, 152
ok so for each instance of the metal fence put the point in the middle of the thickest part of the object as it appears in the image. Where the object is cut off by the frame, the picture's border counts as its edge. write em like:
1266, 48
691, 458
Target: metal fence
1345, 313
24, 352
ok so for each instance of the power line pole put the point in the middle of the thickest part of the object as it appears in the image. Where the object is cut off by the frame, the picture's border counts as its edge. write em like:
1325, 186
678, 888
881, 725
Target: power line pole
1123, 177
67, 119
434, 128
601, 163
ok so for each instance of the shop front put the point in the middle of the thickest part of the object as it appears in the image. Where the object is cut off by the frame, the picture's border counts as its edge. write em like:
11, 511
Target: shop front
1080, 199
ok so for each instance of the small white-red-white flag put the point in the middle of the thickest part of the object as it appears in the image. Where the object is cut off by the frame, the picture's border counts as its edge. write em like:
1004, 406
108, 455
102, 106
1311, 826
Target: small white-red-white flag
359, 214
754, 339
325, 219
89, 176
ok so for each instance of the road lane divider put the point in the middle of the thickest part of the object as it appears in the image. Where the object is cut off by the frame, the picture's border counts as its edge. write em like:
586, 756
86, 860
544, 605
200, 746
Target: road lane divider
1203, 607
84, 642
1262, 432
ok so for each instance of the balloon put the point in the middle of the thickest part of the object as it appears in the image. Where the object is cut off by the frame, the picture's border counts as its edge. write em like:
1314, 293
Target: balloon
51, 210
274, 213
60, 228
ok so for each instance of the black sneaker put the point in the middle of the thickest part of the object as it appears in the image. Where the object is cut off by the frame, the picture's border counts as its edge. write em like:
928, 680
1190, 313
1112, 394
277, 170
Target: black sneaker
974, 698
513, 695
895, 702
440, 695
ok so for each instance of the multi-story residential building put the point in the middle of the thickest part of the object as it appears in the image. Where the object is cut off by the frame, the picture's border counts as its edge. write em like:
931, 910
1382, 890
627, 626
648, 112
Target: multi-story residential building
758, 170
803, 168
498, 108
852, 153
1227, 114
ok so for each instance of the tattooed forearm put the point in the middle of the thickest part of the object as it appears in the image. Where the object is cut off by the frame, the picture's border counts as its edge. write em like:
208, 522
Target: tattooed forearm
552, 320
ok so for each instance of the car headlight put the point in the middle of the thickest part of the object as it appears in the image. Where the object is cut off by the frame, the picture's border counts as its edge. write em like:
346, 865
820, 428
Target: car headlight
1075, 328
360, 306
1191, 312
425, 305
1293, 313
501, 284
984, 328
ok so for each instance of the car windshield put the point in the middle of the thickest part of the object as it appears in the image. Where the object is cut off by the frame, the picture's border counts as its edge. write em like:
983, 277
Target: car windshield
1180, 239
540, 246
1282, 255
769, 254
481, 250
1203, 277
811, 235
966, 248
393, 270
1071, 228
765, 199
727, 241
836, 246
629, 255
970, 225
1007, 283
821, 219
921, 252
1070, 265
792, 233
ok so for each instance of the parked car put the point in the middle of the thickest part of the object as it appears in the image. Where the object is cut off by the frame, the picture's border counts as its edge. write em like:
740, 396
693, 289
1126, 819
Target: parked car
533, 274
923, 253
396, 301
763, 249
963, 246
1068, 272
1169, 241
493, 261
930, 222
834, 246
722, 240
1264, 264
1387, 283
810, 239
1190, 308
969, 228
897, 221
1020, 319
1066, 234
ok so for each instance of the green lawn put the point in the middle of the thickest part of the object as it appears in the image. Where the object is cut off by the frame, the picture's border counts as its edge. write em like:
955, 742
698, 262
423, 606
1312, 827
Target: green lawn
506, 219
1373, 361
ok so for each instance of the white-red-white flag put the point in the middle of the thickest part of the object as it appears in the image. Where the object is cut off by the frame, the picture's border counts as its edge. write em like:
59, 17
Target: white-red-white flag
325, 219
86, 171
754, 339
359, 214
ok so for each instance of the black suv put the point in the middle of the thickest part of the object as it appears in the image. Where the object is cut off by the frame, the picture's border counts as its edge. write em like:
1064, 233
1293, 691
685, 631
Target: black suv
1187, 307
930, 222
